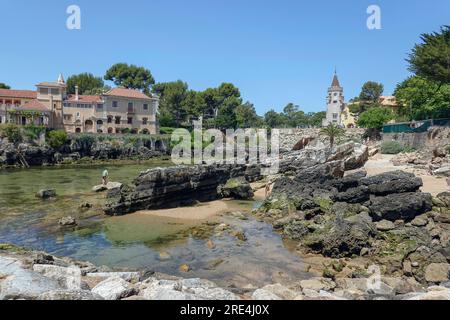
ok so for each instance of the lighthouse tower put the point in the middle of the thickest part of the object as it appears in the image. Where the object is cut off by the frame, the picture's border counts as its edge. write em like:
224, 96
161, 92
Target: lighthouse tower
335, 103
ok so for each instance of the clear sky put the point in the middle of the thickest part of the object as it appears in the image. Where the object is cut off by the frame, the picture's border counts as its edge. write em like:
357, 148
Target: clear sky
276, 52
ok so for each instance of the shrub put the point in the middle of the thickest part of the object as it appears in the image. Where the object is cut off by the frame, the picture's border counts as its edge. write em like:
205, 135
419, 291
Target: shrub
391, 147
33, 132
166, 130
375, 118
56, 139
82, 142
12, 132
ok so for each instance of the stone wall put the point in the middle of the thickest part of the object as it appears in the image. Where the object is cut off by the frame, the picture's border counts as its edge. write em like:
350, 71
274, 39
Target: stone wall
296, 139
435, 137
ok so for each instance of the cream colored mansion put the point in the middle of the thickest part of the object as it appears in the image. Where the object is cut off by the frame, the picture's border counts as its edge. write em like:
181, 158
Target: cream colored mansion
116, 111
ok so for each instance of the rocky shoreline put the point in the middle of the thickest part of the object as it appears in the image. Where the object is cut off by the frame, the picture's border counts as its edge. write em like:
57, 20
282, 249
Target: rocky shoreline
80, 150
363, 237
182, 185
33, 275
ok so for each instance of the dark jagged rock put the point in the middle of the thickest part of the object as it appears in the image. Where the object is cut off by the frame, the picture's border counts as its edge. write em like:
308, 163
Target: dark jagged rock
237, 188
404, 206
46, 193
321, 173
170, 187
358, 158
349, 181
295, 229
353, 195
343, 236
392, 182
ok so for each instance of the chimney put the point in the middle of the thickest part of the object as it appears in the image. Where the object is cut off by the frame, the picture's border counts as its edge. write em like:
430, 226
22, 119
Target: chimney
76, 93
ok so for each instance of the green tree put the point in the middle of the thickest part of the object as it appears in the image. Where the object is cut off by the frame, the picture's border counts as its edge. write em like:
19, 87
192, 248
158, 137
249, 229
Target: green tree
423, 99
431, 58
172, 100
4, 86
56, 138
246, 116
371, 92
375, 118
12, 132
274, 119
315, 118
293, 116
369, 97
85, 82
97, 91
291, 109
332, 133
130, 76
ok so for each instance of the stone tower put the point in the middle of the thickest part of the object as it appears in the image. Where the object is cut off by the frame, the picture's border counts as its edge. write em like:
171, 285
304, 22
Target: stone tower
335, 103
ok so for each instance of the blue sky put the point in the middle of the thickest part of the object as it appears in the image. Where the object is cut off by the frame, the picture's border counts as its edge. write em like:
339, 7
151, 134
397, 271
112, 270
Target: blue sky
276, 52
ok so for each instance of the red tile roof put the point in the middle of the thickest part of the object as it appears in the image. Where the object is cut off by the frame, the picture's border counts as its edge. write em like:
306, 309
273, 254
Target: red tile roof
127, 93
34, 105
19, 94
84, 99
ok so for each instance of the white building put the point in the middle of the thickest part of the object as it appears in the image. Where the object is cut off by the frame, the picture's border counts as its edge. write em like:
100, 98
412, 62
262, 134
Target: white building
335, 103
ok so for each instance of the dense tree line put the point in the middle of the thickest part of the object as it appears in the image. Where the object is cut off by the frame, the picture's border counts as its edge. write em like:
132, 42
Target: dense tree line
221, 107
426, 94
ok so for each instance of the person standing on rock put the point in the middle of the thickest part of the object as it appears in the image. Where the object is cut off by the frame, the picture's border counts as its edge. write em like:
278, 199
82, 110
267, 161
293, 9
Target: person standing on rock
105, 177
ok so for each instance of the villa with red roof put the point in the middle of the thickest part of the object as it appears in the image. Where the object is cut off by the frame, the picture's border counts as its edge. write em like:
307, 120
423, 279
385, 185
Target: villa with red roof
116, 111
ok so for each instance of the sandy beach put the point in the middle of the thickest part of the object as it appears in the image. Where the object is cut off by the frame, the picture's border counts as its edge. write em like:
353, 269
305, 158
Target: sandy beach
383, 163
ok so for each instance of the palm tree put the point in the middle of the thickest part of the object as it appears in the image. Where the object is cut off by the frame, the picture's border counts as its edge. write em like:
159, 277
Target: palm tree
332, 132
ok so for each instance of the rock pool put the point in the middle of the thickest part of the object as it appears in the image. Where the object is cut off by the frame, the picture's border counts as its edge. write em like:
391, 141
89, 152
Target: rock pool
139, 240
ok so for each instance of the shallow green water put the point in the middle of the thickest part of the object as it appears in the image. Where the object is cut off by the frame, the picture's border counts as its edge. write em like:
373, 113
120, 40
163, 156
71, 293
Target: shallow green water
137, 240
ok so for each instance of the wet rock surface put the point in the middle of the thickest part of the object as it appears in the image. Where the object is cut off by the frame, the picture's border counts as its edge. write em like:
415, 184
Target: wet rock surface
237, 188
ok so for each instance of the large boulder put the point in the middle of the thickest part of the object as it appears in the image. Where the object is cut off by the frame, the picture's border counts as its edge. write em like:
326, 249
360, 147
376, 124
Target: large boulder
392, 182
437, 272
185, 289
237, 188
108, 186
343, 236
46, 193
349, 181
114, 288
358, 158
402, 206
68, 221
20, 283
321, 173
353, 195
